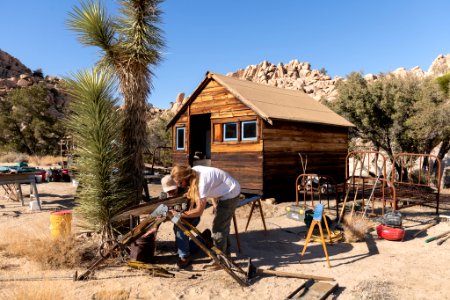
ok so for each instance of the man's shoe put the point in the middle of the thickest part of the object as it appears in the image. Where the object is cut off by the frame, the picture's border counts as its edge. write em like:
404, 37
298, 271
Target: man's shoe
183, 262
207, 237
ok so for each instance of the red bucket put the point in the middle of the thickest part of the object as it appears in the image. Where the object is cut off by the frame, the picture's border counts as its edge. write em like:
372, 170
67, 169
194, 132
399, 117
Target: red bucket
390, 233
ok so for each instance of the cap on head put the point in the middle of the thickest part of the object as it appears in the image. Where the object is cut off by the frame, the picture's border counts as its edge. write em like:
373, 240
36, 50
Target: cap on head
168, 184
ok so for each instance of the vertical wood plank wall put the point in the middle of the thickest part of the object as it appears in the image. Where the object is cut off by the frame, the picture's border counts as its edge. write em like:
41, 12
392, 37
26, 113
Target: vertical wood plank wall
242, 159
325, 146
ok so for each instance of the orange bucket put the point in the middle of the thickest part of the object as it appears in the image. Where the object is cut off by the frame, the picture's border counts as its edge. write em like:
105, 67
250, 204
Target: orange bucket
60, 223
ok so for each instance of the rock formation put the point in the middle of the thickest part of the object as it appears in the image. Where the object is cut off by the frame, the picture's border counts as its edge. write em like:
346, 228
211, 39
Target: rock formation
294, 75
297, 75
14, 75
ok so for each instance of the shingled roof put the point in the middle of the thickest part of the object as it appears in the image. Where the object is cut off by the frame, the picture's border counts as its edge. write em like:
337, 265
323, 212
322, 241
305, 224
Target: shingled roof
272, 103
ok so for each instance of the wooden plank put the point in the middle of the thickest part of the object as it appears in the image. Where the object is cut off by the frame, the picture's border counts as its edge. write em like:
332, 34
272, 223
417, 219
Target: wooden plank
228, 116
180, 158
217, 132
217, 107
239, 147
303, 147
311, 136
320, 290
246, 167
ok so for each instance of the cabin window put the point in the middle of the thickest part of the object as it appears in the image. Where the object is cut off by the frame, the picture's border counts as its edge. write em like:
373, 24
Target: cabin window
180, 138
230, 131
248, 130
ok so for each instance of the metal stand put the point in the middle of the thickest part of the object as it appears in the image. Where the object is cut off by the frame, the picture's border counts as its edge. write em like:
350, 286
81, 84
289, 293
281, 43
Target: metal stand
318, 216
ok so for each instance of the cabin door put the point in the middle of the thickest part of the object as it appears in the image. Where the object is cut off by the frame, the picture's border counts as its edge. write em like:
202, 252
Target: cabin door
200, 140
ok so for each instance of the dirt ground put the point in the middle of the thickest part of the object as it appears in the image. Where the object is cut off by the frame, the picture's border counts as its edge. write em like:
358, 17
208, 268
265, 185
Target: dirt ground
374, 269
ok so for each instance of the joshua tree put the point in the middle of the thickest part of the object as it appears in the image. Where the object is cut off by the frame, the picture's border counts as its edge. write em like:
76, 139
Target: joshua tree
130, 45
94, 123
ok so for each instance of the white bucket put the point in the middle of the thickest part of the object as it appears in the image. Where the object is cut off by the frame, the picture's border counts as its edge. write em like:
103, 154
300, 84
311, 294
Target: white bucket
34, 205
75, 183
38, 178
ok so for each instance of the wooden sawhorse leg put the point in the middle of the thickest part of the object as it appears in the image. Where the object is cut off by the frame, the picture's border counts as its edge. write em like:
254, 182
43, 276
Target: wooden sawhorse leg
308, 237
255, 202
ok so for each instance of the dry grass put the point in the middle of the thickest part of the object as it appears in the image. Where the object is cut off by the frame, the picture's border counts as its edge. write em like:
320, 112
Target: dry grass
46, 160
111, 295
53, 254
374, 290
12, 157
43, 290
356, 228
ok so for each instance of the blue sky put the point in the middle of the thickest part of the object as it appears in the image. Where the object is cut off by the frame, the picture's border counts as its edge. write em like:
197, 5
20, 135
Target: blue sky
223, 36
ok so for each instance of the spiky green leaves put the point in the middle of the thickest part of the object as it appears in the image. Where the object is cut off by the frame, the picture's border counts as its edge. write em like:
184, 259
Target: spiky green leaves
95, 125
93, 26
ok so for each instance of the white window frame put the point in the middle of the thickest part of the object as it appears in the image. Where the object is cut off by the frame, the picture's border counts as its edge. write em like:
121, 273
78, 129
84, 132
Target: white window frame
179, 130
225, 131
242, 131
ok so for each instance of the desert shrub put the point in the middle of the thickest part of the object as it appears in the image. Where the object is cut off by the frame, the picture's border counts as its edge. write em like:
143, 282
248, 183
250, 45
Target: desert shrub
53, 254
356, 228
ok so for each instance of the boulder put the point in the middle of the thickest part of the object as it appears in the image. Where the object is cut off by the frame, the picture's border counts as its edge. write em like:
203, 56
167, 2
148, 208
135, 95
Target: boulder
24, 83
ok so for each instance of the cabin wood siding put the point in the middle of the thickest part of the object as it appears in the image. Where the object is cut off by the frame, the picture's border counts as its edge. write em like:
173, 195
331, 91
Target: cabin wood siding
242, 159
270, 164
246, 167
325, 146
216, 100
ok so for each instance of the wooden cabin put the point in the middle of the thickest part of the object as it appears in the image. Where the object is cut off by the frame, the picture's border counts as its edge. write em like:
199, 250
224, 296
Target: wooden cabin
255, 132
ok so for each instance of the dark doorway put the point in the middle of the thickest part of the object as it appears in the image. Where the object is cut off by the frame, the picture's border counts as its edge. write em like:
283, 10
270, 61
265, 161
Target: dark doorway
200, 140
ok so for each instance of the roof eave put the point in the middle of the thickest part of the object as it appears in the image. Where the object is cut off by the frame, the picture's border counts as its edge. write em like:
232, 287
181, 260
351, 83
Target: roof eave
190, 100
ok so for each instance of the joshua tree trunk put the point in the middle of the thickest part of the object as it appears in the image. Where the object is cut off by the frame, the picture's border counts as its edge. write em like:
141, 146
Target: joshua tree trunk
134, 130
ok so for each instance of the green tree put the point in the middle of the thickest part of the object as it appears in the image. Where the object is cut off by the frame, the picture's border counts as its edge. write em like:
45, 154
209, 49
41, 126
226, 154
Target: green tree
396, 114
444, 82
94, 123
130, 44
160, 136
27, 123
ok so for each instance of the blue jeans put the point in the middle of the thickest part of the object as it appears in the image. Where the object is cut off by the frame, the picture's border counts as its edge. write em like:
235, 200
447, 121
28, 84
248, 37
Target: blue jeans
184, 244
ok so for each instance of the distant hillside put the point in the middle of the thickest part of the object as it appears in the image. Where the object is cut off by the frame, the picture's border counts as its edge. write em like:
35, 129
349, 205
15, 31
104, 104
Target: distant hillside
14, 74
11, 66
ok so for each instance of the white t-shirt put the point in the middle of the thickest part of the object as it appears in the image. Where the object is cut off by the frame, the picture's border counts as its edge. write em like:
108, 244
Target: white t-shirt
216, 183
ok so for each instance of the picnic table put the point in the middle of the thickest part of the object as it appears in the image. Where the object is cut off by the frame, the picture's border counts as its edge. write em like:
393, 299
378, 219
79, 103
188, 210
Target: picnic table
11, 184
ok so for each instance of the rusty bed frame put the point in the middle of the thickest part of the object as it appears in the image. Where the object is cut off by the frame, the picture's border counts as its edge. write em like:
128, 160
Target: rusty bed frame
408, 183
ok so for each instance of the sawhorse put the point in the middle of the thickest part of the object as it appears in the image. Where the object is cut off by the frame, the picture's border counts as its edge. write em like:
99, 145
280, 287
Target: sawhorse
256, 201
317, 219
10, 180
